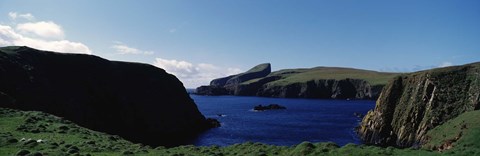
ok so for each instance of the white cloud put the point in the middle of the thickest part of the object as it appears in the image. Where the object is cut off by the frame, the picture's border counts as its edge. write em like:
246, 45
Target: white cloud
194, 75
124, 49
415, 68
12, 15
15, 15
13, 37
148, 52
43, 29
232, 71
175, 29
446, 64
8, 37
181, 69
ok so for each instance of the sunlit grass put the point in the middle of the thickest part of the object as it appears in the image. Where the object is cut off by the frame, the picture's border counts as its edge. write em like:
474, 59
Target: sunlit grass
290, 76
61, 137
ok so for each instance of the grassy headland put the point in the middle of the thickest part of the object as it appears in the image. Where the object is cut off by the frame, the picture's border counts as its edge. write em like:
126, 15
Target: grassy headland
290, 76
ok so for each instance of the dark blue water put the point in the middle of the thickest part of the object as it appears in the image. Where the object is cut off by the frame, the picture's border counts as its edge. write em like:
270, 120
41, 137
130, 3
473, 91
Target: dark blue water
304, 120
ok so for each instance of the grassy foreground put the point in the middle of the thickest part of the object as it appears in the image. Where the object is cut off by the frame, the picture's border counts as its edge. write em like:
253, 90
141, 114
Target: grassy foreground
37, 133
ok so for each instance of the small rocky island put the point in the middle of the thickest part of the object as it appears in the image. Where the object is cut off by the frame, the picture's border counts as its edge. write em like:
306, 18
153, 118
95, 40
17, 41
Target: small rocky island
268, 107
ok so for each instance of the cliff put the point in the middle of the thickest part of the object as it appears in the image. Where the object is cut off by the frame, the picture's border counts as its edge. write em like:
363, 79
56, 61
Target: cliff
411, 105
139, 102
319, 82
324, 89
258, 71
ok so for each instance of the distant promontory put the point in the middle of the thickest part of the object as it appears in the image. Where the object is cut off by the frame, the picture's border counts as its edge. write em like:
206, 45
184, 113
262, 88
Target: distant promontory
318, 82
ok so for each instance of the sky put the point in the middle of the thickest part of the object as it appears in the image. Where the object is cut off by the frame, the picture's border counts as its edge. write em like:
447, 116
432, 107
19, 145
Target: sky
200, 40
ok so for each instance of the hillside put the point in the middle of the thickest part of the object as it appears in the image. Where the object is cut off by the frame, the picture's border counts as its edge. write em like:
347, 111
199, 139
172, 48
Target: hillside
139, 102
460, 135
290, 76
411, 105
318, 82
258, 71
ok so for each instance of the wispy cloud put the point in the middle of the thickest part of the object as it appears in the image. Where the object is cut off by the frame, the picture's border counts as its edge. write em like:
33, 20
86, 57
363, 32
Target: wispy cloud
446, 64
415, 68
194, 75
124, 49
175, 29
44, 35
15, 15
43, 29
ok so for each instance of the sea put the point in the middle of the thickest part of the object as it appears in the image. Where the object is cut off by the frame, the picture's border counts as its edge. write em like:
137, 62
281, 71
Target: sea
313, 120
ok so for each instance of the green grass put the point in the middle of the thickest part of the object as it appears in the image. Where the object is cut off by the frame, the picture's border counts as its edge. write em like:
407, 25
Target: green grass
258, 68
60, 136
65, 138
290, 76
462, 134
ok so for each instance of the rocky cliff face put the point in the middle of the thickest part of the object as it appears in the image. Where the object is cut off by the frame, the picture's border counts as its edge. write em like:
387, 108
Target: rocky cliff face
258, 81
211, 90
412, 104
139, 102
324, 89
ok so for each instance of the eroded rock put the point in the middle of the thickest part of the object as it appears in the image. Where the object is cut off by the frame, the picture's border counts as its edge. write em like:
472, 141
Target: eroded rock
412, 104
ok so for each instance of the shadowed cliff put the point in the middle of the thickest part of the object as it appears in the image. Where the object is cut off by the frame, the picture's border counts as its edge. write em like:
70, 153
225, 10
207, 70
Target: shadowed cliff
139, 102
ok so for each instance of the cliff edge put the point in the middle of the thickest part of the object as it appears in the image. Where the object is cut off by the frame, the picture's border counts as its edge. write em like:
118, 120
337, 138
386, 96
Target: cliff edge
410, 105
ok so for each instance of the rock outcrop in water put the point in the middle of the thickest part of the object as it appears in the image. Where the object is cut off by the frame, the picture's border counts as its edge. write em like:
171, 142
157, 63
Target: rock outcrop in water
139, 102
412, 104
320, 82
268, 107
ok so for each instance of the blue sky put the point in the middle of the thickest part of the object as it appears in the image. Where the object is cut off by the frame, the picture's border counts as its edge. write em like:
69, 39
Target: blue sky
201, 40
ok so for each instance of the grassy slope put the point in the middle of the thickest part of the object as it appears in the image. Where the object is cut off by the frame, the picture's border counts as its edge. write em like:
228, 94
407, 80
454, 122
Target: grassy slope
258, 68
461, 134
63, 137
290, 76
